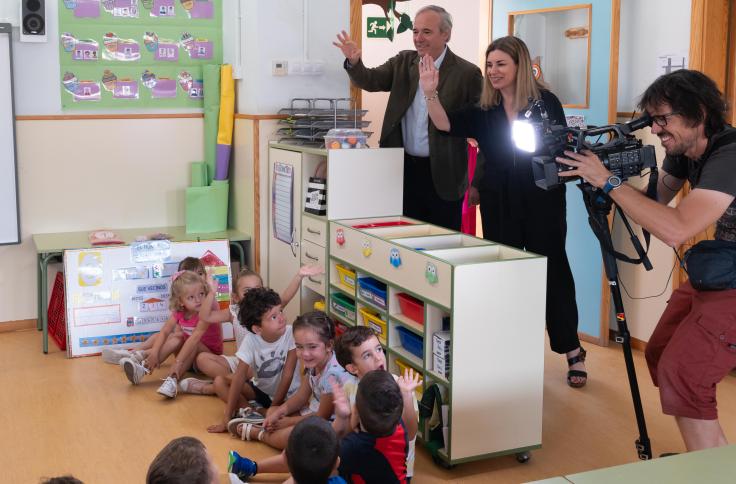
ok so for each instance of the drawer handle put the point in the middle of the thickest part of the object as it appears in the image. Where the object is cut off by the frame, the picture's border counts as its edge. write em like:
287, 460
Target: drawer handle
309, 256
315, 232
314, 281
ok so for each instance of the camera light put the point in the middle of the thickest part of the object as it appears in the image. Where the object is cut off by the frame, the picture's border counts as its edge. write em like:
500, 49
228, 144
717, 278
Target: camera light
524, 136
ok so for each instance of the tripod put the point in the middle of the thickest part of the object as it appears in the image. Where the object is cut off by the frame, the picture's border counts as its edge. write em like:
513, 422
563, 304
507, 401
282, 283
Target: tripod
599, 206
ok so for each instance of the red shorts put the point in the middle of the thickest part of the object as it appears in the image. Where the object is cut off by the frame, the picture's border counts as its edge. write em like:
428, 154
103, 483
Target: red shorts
692, 348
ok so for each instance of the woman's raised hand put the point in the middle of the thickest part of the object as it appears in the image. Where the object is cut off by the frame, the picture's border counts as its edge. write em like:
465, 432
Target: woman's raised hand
429, 76
348, 47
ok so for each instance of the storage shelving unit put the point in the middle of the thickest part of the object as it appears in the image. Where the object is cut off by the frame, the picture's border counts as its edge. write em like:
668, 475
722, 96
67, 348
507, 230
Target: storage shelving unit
491, 298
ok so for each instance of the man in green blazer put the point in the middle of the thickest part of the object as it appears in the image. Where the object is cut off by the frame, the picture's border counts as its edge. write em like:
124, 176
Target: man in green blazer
435, 165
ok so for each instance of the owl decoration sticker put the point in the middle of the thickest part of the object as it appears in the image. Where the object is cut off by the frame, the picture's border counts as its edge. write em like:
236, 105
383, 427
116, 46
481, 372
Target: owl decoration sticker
340, 237
431, 273
367, 249
394, 257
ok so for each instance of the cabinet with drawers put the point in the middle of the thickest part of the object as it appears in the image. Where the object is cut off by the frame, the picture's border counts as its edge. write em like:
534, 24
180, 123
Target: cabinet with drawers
360, 183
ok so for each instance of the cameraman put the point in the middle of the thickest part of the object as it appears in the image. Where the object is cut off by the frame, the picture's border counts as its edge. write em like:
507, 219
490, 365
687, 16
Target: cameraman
694, 344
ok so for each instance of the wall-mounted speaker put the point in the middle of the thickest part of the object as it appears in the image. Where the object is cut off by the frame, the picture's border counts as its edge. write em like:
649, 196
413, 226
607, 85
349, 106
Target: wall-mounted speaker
33, 21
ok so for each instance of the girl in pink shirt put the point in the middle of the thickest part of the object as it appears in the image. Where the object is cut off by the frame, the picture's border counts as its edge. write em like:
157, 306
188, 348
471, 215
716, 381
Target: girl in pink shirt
183, 333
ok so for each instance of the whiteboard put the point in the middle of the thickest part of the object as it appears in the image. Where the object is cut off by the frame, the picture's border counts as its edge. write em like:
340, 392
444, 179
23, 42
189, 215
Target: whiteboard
117, 297
9, 219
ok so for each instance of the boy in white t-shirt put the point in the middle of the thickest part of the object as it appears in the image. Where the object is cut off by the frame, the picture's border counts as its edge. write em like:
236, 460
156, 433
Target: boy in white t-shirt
267, 352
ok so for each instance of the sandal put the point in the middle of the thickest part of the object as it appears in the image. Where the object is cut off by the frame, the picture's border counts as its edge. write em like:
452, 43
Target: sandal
579, 358
245, 428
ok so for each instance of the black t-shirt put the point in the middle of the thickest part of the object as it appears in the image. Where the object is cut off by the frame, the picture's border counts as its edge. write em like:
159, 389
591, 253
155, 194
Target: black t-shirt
374, 460
718, 173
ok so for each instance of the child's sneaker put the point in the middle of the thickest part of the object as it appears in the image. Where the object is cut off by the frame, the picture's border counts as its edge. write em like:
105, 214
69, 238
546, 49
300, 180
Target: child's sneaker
193, 385
138, 355
242, 467
114, 355
133, 370
169, 387
250, 416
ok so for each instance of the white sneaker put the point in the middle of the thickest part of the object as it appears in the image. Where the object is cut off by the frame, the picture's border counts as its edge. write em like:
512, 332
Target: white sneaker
193, 385
114, 355
138, 355
169, 387
133, 370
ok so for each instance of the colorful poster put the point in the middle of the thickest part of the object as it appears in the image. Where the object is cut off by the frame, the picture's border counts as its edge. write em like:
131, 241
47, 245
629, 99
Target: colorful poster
118, 296
136, 53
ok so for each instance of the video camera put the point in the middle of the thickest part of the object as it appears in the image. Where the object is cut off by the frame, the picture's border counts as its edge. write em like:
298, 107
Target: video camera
622, 154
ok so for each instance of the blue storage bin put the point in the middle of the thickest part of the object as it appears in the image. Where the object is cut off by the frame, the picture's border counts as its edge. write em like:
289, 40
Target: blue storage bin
411, 342
372, 290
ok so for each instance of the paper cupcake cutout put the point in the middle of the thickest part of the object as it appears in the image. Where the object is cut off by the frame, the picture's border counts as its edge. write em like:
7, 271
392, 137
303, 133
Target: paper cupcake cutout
121, 8
193, 87
80, 90
163, 8
161, 87
118, 49
81, 49
198, 8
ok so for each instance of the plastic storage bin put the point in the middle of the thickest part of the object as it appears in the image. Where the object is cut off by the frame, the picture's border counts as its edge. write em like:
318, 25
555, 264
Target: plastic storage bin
373, 291
411, 342
343, 306
411, 307
339, 328
374, 322
403, 366
336, 139
346, 276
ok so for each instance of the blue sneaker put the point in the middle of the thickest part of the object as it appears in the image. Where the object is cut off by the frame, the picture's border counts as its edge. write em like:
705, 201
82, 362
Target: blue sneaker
242, 467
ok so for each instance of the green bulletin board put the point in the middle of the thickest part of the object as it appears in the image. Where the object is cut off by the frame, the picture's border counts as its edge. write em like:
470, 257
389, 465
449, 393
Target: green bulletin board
122, 54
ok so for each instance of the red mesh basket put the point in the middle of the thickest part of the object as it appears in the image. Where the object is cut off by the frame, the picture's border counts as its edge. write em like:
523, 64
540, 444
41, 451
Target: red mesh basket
57, 313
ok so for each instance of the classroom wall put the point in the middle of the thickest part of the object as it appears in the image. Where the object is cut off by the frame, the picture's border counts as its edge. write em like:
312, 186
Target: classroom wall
648, 29
470, 35
276, 30
77, 175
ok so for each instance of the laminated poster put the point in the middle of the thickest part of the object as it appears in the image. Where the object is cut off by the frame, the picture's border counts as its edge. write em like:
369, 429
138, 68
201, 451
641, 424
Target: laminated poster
118, 296
282, 212
137, 53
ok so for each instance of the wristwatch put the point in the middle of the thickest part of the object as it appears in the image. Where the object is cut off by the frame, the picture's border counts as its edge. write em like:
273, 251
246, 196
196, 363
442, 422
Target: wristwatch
612, 183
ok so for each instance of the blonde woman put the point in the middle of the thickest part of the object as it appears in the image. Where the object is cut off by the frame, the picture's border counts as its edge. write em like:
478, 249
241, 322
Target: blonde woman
514, 210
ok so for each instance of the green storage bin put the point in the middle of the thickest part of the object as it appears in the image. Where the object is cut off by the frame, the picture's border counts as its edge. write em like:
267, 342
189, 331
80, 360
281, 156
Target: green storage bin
206, 210
343, 306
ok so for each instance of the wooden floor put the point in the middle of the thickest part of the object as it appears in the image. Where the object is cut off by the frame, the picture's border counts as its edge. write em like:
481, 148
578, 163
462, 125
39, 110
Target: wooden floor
81, 416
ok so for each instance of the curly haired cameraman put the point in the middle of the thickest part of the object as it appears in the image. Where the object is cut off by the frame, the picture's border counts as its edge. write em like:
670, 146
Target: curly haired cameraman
694, 344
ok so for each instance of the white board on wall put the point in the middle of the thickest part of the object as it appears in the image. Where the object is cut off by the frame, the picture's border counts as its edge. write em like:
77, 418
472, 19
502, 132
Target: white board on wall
118, 296
9, 218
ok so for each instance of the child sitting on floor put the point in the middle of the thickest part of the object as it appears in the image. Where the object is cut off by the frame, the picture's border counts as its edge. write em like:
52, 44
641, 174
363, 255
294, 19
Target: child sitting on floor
375, 454
224, 365
183, 460
314, 334
268, 352
114, 355
312, 453
188, 291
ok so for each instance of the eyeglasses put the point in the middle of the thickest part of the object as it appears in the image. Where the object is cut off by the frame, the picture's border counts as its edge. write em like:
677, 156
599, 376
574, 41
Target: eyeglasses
661, 119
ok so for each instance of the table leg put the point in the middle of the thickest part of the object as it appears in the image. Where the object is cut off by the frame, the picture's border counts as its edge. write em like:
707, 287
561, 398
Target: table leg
44, 297
241, 251
39, 306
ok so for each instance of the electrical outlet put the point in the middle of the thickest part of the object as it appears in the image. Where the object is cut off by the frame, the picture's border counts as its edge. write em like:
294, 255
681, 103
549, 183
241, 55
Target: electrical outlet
279, 68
